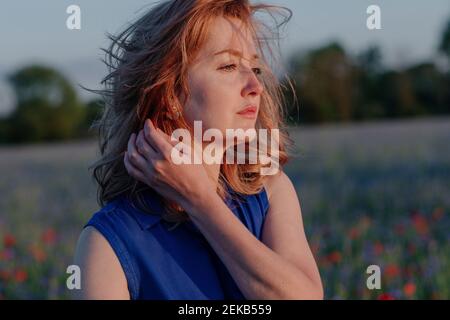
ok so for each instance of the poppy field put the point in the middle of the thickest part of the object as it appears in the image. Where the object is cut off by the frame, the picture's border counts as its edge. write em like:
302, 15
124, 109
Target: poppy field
370, 193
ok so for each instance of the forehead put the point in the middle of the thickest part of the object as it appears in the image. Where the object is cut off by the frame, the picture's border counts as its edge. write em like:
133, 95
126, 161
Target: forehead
229, 33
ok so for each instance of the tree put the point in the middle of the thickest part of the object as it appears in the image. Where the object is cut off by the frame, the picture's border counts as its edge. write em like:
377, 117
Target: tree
47, 106
444, 46
429, 87
94, 109
368, 71
324, 84
371, 60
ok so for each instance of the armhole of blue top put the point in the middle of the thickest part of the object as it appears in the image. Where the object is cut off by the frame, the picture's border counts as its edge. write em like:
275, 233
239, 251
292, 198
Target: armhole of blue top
265, 199
121, 253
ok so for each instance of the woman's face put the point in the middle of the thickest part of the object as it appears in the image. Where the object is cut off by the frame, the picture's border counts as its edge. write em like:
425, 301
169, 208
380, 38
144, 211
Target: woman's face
223, 84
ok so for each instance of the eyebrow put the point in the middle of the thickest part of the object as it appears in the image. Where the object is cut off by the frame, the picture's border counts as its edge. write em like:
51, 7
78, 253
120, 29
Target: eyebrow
236, 53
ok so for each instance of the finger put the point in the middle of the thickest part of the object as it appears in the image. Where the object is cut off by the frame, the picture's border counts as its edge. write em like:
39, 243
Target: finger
132, 170
134, 156
144, 148
167, 137
156, 139
146, 175
174, 144
146, 131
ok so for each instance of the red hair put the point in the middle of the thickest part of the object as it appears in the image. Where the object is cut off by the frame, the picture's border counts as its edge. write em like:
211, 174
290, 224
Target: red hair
148, 64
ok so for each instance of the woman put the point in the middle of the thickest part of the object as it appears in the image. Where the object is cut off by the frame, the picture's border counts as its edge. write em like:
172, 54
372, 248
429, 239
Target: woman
170, 230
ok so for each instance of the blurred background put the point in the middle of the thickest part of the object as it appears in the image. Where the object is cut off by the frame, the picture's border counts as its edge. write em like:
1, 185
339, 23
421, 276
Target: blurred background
371, 127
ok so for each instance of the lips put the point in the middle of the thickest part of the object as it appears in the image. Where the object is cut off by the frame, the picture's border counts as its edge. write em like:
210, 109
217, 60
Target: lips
248, 110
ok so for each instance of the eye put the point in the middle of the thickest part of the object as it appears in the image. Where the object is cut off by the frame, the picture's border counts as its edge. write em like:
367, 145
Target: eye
258, 71
229, 67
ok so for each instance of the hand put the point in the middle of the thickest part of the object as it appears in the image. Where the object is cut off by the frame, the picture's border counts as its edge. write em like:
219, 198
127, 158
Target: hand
149, 160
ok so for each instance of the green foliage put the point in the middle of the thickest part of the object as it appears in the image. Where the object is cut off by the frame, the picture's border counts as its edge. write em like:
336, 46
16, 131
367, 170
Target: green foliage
93, 113
324, 78
47, 109
47, 106
332, 86
444, 46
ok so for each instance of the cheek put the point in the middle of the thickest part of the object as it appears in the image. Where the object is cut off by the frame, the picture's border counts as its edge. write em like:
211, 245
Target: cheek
213, 104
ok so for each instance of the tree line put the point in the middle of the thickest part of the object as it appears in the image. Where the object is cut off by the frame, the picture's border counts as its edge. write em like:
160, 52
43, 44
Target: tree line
47, 108
332, 86
329, 86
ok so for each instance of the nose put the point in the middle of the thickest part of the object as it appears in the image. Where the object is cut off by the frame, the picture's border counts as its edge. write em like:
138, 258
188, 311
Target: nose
252, 85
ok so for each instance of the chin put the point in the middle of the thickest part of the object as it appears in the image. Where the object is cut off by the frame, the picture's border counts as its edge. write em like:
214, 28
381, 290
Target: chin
245, 125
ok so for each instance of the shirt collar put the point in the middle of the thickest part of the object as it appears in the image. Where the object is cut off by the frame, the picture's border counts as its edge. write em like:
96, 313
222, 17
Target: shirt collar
146, 220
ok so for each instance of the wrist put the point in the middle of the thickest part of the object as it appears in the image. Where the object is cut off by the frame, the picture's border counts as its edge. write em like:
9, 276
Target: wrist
200, 200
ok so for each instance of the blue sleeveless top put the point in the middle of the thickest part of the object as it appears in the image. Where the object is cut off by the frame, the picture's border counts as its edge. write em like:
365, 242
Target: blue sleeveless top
163, 264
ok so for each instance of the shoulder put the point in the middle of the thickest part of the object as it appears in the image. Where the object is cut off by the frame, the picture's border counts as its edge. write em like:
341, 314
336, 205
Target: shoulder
101, 271
278, 184
106, 251
284, 202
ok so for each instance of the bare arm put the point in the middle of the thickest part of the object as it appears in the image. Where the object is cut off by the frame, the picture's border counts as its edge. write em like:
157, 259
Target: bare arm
284, 231
280, 267
102, 276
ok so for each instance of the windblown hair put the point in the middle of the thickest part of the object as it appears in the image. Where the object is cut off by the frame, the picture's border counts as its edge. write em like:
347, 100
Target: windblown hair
147, 72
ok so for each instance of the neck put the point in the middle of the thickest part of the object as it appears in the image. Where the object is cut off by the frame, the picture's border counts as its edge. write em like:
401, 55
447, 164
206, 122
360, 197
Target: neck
213, 170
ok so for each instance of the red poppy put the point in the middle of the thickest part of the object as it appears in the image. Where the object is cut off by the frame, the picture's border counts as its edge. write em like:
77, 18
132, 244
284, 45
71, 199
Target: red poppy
409, 289
385, 296
20, 275
9, 241
334, 257
392, 270
38, 254
378, 248
49, 236
420, 223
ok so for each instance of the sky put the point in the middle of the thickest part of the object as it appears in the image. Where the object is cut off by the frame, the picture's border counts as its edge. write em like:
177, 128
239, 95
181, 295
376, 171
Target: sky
36, 32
